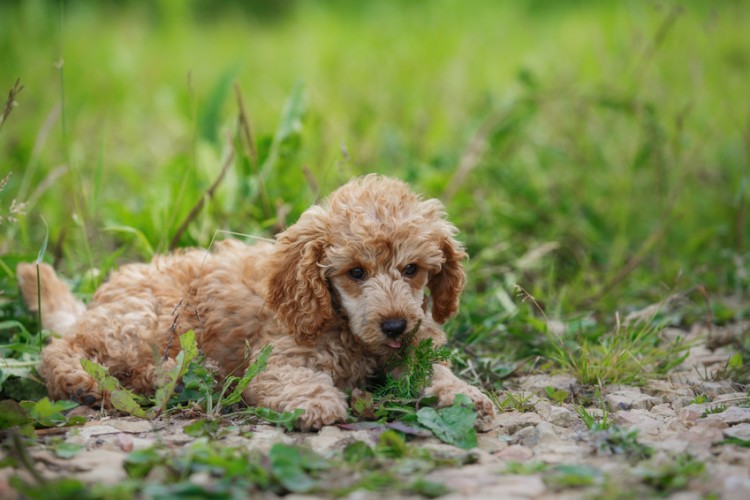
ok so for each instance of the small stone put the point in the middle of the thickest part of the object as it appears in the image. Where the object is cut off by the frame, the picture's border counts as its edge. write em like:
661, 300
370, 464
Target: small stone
512, 421
491, 443
556, 415
543, 435
131, 426
265, 436
682, 401
516, 453
88, 431
643, 420
735, 455
732, 416
327, 439
483, 481
100, 466
739, 431
714, 389
736, 488
537, 383
732, 397
630, 399
701, 436
664, 410
667, 389
673, 334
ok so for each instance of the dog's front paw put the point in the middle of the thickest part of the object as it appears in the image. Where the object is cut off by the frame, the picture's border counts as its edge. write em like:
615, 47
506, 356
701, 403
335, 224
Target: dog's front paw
485, 409
322, 411
484, 406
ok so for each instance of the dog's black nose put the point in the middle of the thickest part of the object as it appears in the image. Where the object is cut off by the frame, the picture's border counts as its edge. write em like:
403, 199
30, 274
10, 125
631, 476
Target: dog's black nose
393, 327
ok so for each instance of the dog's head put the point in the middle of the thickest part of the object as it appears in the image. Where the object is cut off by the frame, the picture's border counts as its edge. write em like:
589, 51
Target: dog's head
368, 254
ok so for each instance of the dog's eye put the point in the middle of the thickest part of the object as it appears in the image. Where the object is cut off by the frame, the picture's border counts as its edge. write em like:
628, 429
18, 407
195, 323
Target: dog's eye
410, 270
357, 273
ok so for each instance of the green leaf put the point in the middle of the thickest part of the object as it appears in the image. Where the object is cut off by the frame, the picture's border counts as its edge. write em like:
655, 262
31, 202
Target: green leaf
362, 404
188, 351
285, 419
140, 462
46, 413
556, 395
568, 476
289, 129
54, 489
287, 466
67, 450
12, 414
392, 445
142, 240
453, 425
735, 361
123, 400
252, 371
203, 427
745, 443
120, 398
429, 489
358, 451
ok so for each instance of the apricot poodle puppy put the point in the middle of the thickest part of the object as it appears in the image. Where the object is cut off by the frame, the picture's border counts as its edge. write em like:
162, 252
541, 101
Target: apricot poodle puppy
337, 296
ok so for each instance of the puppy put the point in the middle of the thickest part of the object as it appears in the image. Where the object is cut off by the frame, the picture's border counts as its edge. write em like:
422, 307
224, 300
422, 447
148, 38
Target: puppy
337, 296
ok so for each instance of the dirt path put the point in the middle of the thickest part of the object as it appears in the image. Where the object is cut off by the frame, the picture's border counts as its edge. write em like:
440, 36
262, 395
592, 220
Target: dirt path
683, 448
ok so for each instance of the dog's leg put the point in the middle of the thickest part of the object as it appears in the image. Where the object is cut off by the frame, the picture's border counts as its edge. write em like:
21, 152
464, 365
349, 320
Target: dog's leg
66, 378
283, 387
121, 333
60, 309
445, 386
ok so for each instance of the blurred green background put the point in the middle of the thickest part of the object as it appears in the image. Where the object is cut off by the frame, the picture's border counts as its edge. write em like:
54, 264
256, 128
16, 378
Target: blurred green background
594, 153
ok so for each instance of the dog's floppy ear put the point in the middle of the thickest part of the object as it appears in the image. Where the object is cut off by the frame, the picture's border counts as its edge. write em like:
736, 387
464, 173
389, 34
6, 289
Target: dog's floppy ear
446, 285
297, 289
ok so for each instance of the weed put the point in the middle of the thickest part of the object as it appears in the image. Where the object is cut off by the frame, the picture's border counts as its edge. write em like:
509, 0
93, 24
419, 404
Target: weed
525, 468
744, 443
556, 395
611, 439
700, 399
392, 466
629, 355
518, 402
410, 373
616, 440
571, 476
712, 410
201, 386
46, 413
453, 425
593, 423
735, 368
673, 475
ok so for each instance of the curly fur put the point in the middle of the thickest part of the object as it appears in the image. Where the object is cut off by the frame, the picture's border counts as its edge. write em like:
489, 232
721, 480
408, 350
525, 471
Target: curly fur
327, 325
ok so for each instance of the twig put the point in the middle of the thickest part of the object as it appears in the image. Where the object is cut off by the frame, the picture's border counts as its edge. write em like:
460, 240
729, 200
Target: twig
527, 296
173, 329
18, 448
709, 312
247, 139
630, 266
208, 194
311, 182
472, 155
661, 34
11, 103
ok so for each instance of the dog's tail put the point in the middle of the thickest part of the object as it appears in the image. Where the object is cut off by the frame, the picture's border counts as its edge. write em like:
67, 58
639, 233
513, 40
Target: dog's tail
60, 309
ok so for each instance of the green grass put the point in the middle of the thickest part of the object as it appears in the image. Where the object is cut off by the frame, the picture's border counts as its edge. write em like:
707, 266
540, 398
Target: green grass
593, 153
